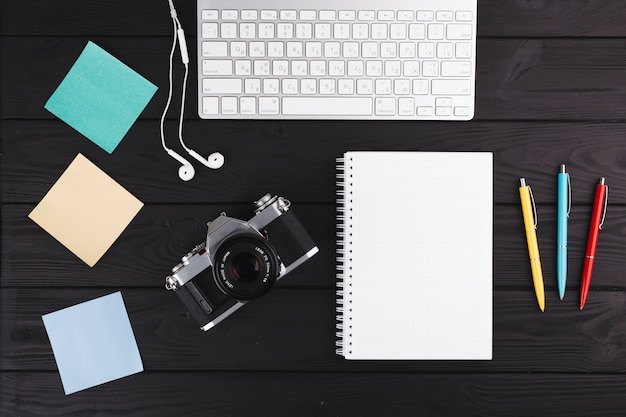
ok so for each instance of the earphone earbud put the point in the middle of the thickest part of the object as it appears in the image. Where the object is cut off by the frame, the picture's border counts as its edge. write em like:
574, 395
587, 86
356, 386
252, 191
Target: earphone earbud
186, 172
214, 161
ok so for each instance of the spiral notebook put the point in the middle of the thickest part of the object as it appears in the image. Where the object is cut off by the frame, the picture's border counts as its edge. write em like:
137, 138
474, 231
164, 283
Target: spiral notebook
415, 255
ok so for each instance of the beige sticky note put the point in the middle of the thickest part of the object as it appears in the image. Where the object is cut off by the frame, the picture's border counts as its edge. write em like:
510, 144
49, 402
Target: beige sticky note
86, 210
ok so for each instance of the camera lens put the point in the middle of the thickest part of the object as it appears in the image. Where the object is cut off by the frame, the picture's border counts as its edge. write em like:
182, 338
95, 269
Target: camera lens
246, 266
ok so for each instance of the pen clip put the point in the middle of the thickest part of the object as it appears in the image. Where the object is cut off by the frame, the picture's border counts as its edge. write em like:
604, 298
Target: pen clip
569, 195
532, 199
606, 203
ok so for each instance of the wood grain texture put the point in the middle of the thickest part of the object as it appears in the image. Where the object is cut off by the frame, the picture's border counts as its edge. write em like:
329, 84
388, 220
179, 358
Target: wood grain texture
293, 330
158, 394
297, 159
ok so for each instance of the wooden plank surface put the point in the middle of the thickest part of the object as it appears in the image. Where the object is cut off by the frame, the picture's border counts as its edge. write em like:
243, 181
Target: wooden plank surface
550, 90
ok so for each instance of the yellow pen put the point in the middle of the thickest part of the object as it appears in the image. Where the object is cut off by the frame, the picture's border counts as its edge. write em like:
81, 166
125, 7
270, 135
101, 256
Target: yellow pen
529, 212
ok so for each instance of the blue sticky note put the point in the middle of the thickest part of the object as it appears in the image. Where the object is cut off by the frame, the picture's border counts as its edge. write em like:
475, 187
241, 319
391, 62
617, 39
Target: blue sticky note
101, 97
93, 343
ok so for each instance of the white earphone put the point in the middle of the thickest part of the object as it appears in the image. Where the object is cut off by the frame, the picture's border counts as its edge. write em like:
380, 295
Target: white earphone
186, 172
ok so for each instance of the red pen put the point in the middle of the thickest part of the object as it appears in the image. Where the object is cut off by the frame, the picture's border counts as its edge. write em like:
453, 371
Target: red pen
597, 219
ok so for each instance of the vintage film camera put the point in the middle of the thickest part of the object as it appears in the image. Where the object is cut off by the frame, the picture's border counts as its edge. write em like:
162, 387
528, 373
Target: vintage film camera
240, 260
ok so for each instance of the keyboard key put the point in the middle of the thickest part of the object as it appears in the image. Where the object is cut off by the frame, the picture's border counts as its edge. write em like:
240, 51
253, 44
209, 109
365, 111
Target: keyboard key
249, 15
461, 111
444, 16
327, 15
451, 87
221, 86
417, 31
456, 69
266, 30
228, 30
275, 49
364, 86
271, 86
443, 111
247, 105
210, 15
425, 15
342, 31
397, 31
463, 50
322, 31
388, 15
464, 16
360, 31
445, 50
290, 86
327, 86
347, 15
383, 86
243, 67
385, 106
308, 15
313, 49
308, 86
215, 49
401, 87
247, 31
406, 15
420, 87
459, 31
367, 15
332, 50
269, 15
288, 15
379, 31
406, 106
210, 105
374, 68
252, 86
238, 49
229, 105
209, 30
217, 67
430, 68
304, 31
284, 31
327, 106
345, 86
268, 105
230, 14
435, 31
257, 49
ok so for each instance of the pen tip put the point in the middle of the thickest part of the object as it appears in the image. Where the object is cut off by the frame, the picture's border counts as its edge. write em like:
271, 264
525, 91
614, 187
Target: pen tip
561, 298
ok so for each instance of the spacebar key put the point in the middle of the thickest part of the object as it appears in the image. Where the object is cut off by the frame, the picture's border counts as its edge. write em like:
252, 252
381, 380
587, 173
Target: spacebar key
327, 106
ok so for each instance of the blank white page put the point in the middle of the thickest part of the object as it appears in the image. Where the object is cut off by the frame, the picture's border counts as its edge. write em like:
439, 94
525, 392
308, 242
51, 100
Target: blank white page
417, 255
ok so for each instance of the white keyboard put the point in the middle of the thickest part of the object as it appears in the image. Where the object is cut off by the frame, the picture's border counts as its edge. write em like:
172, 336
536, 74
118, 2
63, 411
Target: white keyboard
343, 59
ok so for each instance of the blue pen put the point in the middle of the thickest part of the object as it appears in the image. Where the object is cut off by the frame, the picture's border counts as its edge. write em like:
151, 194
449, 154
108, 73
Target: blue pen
563, 209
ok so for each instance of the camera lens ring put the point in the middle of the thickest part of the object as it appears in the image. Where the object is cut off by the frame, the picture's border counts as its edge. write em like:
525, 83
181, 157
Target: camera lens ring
246, 266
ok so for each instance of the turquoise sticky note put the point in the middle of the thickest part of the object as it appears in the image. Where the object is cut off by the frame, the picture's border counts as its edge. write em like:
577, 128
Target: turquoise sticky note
93, 343
101, 97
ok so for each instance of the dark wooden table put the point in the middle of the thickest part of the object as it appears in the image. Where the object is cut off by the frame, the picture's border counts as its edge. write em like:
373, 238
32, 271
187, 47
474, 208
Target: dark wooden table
551, 89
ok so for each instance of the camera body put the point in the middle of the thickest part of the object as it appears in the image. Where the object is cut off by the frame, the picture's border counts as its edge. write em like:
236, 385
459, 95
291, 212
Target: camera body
240, 260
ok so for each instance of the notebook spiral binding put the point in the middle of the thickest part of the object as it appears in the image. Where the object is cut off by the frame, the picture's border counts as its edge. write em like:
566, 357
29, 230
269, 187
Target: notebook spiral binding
343, 243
